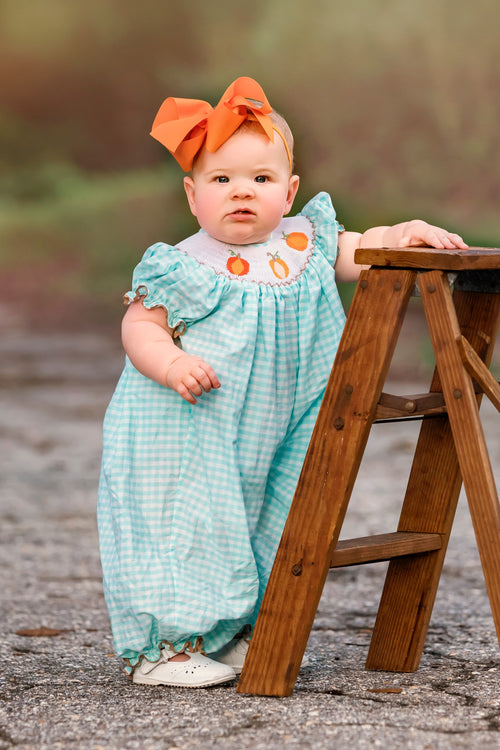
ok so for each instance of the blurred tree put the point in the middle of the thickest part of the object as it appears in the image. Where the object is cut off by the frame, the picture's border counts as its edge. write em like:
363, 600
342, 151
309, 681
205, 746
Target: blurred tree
393, 104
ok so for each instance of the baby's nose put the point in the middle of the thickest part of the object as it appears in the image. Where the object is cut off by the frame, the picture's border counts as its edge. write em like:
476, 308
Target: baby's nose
243, 189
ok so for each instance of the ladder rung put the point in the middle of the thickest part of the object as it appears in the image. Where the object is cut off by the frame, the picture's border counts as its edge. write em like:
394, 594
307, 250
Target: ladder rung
391, 408
421, 404
381, 547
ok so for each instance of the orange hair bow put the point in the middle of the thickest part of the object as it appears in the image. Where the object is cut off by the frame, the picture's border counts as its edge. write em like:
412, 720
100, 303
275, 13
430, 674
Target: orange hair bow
184, 126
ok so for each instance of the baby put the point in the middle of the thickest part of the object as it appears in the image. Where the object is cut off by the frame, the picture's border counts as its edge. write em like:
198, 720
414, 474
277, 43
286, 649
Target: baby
230, 336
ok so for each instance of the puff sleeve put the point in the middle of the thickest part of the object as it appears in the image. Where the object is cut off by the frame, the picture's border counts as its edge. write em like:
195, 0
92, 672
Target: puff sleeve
321, 212
166, 277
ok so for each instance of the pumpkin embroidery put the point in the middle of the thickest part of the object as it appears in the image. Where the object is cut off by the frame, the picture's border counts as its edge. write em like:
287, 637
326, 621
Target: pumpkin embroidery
278, 266
296, 240
278, 261
237, 265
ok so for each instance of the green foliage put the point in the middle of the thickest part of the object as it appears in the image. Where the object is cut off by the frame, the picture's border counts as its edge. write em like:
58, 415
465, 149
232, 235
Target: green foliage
82, 239
394, 106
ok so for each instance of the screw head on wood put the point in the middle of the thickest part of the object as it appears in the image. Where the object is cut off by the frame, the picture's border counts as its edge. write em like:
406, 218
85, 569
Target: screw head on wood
339, 423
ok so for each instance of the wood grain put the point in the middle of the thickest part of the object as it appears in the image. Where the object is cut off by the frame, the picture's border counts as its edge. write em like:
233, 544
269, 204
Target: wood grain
472, 259
449, 445
337, 445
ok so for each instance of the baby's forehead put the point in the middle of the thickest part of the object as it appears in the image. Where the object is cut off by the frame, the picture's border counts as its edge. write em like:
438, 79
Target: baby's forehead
242, 147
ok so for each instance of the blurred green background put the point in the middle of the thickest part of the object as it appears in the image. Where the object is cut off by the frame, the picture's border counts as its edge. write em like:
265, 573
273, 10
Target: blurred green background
394, 104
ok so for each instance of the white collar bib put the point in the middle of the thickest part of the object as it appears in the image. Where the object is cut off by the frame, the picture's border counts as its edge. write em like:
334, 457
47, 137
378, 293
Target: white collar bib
277, 262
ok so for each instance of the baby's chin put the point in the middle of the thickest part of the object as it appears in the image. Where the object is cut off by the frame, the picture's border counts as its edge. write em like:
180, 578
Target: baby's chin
240, 238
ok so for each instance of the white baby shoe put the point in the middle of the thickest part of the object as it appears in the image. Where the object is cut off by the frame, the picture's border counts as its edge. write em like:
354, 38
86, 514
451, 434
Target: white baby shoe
233, 654
198, 671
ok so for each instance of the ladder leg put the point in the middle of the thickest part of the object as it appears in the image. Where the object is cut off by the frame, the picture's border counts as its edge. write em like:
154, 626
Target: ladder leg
467, 429
430, 503
411, 583
311, 532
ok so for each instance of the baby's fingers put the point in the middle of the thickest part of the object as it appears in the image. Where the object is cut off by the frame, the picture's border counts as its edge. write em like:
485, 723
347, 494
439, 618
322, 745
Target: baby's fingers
420, 233
434, 239
190, 387
201, 378
457, 241
207, 377
441, 239
186, 394
190, 376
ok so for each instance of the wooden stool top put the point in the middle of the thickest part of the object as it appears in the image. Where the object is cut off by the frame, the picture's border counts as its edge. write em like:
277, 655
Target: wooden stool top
472, 259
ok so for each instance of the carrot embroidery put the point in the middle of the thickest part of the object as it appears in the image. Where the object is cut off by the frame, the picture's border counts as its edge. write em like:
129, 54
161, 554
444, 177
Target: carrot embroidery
296, 240
278, 266
236, 265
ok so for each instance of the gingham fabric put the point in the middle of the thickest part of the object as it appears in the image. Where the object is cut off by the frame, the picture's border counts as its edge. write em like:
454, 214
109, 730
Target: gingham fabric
193, 498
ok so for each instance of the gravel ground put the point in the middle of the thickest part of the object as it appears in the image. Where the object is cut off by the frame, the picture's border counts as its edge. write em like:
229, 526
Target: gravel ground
64, 688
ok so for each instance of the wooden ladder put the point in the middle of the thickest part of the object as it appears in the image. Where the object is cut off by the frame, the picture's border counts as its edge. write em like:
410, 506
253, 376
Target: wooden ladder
451, 447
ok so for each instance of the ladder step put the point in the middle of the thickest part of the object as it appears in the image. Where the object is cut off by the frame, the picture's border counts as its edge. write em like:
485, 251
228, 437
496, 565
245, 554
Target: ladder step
421, 404
379, 547
391, 408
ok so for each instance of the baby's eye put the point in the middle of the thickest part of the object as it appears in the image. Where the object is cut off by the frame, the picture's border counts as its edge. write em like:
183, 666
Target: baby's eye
261, 178
222, 178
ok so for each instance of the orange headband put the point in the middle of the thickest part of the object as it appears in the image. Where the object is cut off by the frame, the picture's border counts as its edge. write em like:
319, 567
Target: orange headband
184, 126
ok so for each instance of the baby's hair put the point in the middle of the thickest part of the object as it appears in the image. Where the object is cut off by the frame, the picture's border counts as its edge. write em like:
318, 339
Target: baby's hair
285, 129
280, 123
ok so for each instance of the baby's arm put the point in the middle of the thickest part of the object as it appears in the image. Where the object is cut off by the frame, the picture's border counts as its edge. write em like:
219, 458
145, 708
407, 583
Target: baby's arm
152, 351
408, 234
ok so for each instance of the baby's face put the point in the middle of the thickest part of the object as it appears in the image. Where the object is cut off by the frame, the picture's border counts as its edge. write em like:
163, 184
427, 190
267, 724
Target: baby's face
240, 193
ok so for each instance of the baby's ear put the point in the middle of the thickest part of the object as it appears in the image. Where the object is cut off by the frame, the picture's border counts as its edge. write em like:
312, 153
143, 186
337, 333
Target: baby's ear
189, 188
293, 186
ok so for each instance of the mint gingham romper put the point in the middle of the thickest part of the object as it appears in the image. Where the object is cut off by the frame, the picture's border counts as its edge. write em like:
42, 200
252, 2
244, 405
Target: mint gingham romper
193, 498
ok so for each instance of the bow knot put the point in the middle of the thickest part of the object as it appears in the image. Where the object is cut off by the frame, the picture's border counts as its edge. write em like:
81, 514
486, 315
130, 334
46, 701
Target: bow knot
184, 126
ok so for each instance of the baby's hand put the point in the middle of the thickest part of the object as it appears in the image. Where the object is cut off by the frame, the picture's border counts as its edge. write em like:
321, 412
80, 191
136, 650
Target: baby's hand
418, 233
190, 376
